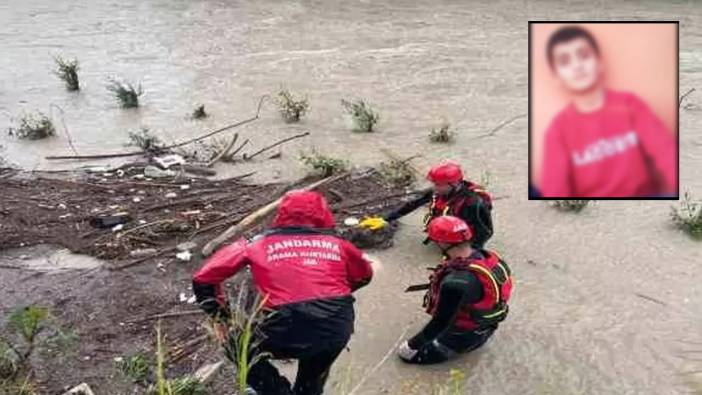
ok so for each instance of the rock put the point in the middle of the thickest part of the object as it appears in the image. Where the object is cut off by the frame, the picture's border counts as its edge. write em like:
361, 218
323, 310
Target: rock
81, 389
142, 252
186, 246
155, 172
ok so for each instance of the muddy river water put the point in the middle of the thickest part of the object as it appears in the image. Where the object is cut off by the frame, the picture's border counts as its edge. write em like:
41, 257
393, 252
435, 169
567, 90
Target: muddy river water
607, 302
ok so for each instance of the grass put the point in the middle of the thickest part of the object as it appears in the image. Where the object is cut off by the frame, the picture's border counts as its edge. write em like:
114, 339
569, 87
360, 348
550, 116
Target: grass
323, 164
454, 386
199, 112
136, 367
398, 172
125, 93
35, 126
68, 72
291, 109
175, 386
145, 140
574, 206
688, 216
443, 134
363, 116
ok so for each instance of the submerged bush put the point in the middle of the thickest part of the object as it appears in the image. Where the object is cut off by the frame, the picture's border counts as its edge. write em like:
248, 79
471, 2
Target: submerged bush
199, 112
290, 108
145, 140
326, 165
575, 206
688, 216
125, 93
68, 72
443, 134
363, 116
398, 172
33, 127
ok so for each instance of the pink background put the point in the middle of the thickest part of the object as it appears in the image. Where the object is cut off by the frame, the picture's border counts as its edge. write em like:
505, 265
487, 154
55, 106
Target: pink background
639, 58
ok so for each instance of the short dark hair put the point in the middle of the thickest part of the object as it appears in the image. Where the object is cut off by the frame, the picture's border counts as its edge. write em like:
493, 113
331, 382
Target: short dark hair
568, 33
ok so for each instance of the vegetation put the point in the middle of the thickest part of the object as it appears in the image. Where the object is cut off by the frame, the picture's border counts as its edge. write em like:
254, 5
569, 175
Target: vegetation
363, 116
136, 367
290, 108
125, 93
68, 72
33, 127
145, 140
23, 327
176, 386
326, 165
574, 206
199, 112
398, 172
454, 386
485, 178
688, 216
443, 134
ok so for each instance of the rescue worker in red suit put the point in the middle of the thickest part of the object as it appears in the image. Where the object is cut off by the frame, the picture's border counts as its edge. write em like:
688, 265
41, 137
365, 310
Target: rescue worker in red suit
453, 195
467, 297
307, 274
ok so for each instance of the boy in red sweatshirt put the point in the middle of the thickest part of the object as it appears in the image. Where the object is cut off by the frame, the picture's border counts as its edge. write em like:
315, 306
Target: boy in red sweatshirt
604, 143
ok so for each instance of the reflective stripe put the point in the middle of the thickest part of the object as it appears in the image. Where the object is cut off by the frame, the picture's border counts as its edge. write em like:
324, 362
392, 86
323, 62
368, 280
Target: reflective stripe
490, 276
495, 314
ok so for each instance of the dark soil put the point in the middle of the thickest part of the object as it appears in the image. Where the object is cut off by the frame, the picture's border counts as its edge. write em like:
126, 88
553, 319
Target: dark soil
106, 309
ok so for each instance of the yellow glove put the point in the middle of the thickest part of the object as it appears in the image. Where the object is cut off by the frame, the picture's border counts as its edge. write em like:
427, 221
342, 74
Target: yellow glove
373, 223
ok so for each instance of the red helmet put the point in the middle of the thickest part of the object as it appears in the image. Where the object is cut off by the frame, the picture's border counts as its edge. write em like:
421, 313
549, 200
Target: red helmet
447, 172
449, 229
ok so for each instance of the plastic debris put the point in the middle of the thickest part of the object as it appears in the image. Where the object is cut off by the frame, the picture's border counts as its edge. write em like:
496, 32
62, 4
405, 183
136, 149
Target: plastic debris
142, 252
155, 172
351, 221
110, 221
186, 246
171, 195
167, 161
136, 199
184, 187
184, 256
80, 389
117, 228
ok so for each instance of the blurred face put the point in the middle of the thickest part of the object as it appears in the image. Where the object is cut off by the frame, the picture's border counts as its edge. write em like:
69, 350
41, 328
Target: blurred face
443, 189
576, 64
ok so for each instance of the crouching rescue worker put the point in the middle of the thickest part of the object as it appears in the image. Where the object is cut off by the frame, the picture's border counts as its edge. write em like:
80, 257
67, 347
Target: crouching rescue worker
467, 297
451, 194
306, 275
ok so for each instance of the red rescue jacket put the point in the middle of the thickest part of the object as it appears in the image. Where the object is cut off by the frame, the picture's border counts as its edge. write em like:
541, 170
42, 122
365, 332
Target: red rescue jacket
496, 278
298, 260
453, 206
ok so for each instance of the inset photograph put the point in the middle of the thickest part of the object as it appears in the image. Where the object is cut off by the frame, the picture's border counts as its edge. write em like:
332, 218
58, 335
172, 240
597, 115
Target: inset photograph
603, 110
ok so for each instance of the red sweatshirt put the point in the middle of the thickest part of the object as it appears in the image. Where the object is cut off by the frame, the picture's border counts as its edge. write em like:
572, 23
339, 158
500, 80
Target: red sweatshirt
617, 151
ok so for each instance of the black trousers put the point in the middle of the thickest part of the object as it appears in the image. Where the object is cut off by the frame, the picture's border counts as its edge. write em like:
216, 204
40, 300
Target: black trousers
314, 363
451, 343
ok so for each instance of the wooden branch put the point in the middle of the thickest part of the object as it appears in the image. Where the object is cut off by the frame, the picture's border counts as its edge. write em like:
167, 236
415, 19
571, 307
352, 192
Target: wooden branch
500, 126
165, 315
225, 151
135, 153
285, 140
65, 130
255, 217
685, 95
236, 151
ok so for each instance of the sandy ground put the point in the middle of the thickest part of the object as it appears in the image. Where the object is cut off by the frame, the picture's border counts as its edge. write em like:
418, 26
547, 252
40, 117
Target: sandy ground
578, 323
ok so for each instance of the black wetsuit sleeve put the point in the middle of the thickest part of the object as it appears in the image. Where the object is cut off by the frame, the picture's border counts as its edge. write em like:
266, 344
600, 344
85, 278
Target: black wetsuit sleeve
457, 289
423, 199
478, 215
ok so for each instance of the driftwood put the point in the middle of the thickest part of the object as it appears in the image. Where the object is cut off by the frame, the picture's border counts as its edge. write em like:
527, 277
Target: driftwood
186, 142
224, 152
500, 126
254, 218
285, 140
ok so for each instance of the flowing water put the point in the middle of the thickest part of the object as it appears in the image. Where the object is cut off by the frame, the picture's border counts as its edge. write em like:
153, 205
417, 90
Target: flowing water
607, 302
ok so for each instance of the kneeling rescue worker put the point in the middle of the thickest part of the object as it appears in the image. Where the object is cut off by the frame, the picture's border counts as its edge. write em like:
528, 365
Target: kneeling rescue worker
467, 296
451, 195
307, 275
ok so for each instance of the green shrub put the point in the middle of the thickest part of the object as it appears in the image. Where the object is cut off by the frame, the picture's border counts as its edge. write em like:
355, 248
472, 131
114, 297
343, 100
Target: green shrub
125, 93
290, 108
688, 216
135, 366
574, 206
145, 140
33, 127
443, 134
363, 116
326, 165
398, 172
68, 72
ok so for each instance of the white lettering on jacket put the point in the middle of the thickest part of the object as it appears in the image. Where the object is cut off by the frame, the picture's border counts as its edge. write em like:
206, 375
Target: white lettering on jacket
288, 249
605, 148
